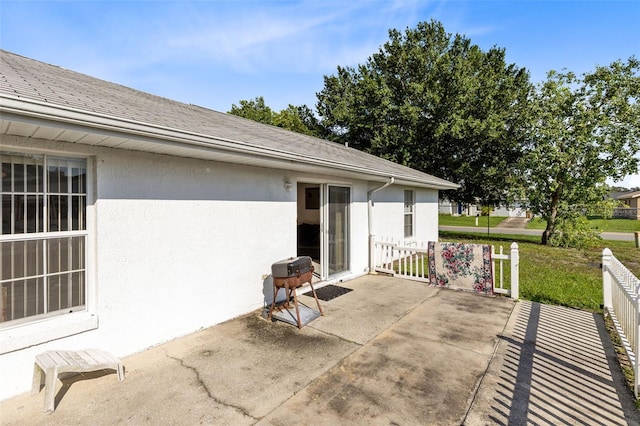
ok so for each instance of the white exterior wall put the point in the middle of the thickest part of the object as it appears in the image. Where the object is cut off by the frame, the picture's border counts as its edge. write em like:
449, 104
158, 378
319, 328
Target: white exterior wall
447, 207
184, 239
175, 245
359, 248
388, 215
517, 211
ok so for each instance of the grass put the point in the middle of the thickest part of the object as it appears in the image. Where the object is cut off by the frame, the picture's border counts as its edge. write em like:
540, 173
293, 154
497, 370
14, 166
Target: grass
625, 364
602, 225
448, 220
558, 276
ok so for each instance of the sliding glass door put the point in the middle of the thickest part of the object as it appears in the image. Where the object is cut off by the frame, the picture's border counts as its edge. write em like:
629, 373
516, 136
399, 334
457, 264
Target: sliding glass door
337, 242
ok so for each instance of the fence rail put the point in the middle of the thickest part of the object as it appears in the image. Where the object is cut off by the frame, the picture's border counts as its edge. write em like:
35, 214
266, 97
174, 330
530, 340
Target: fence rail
621, 291
412, 263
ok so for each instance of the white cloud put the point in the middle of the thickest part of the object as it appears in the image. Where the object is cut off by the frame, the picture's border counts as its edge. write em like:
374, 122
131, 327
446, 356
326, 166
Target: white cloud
282, 38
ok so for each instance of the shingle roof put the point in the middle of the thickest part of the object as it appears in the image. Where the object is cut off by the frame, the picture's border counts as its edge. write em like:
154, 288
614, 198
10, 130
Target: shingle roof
27, 79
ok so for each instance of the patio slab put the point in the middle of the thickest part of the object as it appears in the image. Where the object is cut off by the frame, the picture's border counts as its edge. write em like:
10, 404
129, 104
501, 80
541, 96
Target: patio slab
423, 369
391, 351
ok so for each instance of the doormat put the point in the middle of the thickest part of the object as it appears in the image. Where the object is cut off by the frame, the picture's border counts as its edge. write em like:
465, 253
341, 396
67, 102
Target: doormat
329, 292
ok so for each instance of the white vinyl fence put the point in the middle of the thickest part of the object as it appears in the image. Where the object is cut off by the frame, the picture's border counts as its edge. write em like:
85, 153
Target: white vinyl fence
621, 291
413, 263
626, 213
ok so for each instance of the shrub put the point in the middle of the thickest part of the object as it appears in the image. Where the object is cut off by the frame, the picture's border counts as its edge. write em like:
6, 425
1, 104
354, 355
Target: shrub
574, 231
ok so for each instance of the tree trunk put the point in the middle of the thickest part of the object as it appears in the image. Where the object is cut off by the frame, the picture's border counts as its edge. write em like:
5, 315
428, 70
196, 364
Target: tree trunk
546, 235
553, 216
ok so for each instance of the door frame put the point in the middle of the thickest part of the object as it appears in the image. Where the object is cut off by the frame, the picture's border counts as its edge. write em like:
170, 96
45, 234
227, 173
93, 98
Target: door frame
323, 212
325, 228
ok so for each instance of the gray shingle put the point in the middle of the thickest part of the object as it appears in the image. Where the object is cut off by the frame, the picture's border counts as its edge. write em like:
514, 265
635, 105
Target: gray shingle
30, 79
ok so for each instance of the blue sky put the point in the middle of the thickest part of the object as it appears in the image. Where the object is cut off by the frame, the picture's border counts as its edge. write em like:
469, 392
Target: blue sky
215, 53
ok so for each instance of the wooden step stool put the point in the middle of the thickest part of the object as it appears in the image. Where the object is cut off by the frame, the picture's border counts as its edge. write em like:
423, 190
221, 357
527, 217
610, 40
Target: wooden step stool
50, 364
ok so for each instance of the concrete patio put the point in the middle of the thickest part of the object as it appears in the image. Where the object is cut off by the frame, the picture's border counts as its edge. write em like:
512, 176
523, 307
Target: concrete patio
391, 351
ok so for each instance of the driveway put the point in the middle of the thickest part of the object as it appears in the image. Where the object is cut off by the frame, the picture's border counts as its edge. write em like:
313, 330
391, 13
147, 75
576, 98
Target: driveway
391, 351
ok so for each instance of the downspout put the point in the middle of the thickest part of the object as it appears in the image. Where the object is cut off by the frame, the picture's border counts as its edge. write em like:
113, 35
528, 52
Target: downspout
372, 237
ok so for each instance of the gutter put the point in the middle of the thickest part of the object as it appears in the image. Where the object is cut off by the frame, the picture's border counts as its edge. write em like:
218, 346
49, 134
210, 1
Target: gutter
372, 237
26, 110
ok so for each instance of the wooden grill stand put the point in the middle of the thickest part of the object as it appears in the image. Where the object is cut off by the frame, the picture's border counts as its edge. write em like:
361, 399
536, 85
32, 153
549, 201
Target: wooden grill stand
290, 284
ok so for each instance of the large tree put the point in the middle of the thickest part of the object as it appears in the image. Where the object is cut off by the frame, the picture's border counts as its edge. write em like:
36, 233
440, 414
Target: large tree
586, 130
435, 102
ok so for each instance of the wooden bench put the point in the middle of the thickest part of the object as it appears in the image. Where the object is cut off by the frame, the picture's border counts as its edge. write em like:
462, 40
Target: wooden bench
50, 364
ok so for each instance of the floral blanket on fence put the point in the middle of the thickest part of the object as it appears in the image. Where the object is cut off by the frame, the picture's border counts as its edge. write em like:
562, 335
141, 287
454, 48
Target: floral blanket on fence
461, 266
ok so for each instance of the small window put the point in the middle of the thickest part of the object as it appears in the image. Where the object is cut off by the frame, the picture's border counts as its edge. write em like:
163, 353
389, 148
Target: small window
409, 207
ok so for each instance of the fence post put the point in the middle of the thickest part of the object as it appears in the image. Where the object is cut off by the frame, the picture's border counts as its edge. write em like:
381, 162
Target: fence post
515, 268
606, 279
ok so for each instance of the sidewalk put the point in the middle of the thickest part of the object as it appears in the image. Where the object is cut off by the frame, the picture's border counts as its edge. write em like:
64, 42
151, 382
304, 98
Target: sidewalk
391, 351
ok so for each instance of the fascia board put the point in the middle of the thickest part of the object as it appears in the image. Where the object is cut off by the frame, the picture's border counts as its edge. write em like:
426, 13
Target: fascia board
41, 113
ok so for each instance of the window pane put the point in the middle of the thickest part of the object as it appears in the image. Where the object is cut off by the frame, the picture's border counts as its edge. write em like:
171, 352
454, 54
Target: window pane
5, 211
77, 253
408, 226
6, 177
34, 178
54, 293
21, 209
21, 259
77, 288
58, 213
78, 180
18, 214
35, 256
408, 201
53, 181
35, 213
77, 212
35, 296
65, 291
58, 255
21, 299
18, 178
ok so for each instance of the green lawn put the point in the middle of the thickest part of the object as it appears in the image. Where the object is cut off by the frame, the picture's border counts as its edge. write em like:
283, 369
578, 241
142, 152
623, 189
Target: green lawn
602, 225
448, 220
566, 277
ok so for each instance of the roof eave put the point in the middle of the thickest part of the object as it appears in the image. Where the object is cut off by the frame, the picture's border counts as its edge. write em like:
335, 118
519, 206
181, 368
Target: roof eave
41, 113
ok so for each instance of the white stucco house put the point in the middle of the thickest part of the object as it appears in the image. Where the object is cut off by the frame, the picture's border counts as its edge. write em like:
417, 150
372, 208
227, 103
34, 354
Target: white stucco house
456, 209
129, 219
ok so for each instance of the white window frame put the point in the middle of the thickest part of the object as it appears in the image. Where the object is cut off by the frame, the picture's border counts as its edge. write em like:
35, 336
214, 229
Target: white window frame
18, 335
410, 212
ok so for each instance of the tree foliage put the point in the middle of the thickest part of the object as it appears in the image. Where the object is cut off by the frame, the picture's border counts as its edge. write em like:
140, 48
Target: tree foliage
255, 110
585, 131
297, 119
435, 102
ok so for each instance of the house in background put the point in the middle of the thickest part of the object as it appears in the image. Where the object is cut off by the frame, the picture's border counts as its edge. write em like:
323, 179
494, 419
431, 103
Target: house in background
631, 201
129, 219
459, 209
